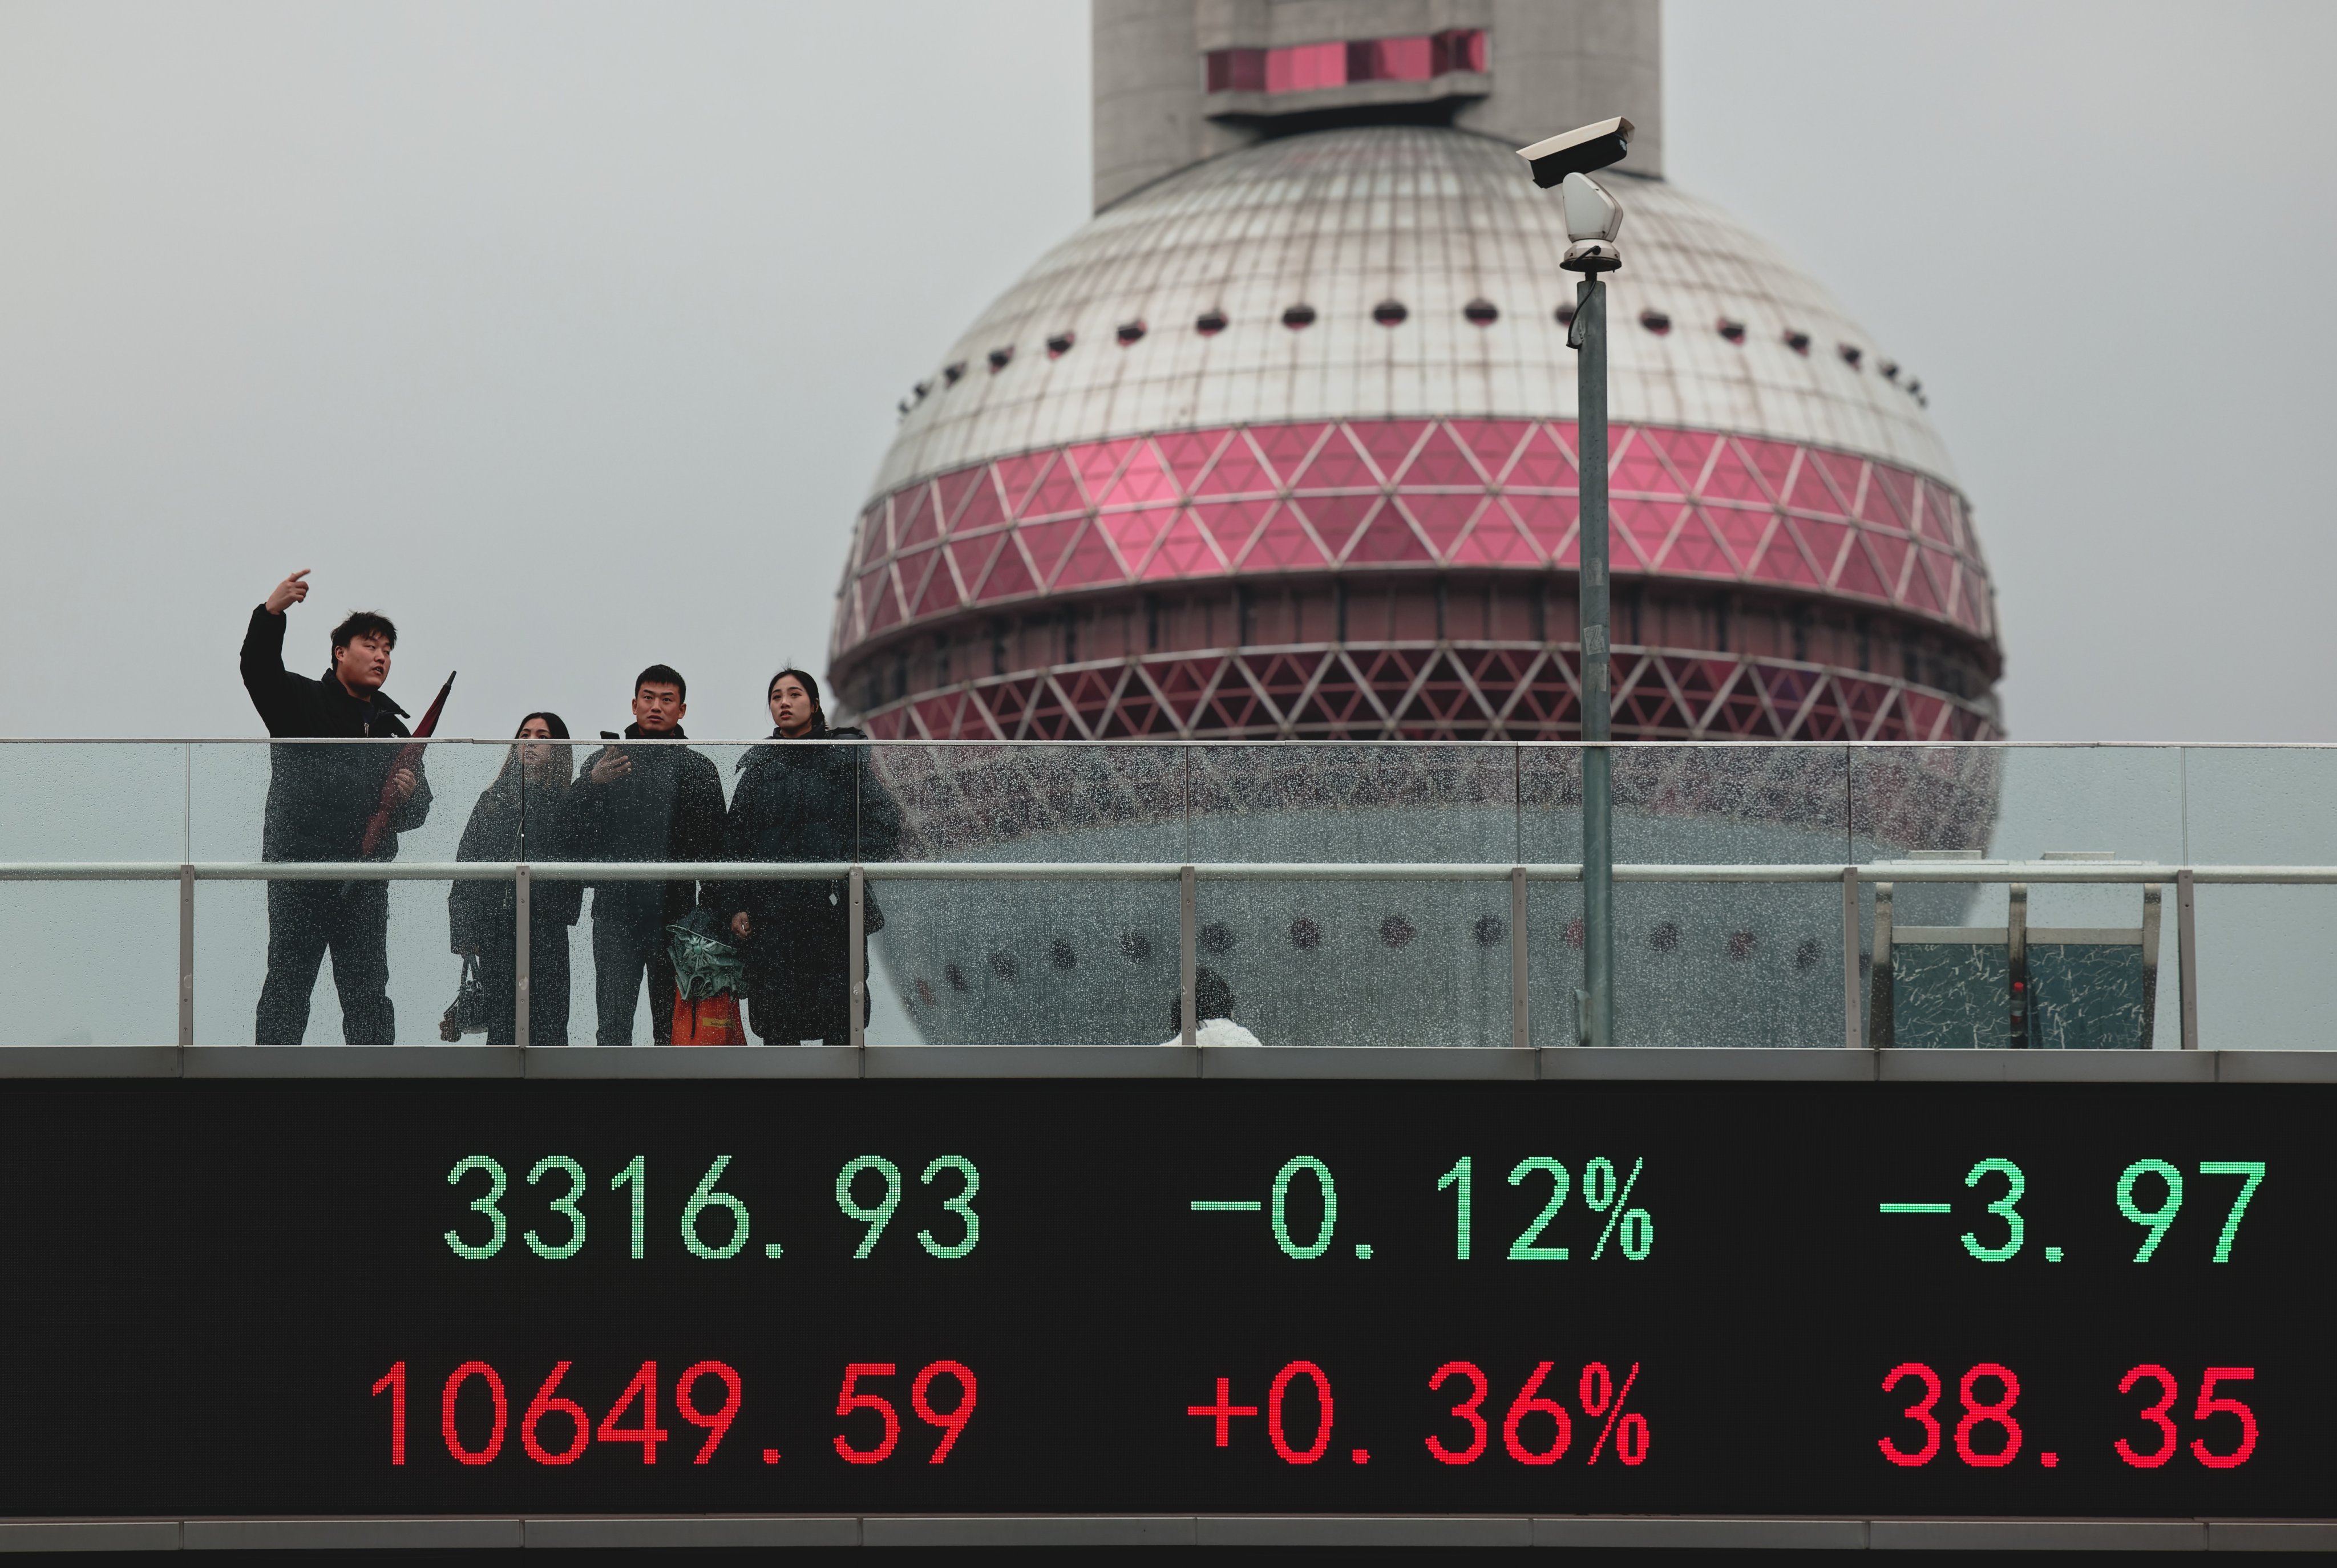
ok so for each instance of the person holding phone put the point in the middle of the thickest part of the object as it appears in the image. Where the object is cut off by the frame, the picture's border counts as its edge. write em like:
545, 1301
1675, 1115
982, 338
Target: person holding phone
655, 802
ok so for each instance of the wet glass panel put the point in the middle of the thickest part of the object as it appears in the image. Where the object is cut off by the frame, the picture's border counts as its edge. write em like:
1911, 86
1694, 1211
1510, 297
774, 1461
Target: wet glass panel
1549, 832
1025, 962
317, 960
2262, 806
90, 962
1356, 962
2093, 977
1730, 963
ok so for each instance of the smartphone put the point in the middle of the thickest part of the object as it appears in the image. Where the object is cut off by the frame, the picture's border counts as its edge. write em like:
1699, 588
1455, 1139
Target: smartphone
610, 734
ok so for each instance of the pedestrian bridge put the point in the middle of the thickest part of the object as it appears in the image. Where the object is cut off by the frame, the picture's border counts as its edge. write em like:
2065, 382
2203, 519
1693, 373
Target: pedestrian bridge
1115, 895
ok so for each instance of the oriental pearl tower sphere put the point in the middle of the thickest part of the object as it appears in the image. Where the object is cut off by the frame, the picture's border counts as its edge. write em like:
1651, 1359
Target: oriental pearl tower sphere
1279, 448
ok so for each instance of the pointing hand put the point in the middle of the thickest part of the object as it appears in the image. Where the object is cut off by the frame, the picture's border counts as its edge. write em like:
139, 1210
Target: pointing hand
288, 592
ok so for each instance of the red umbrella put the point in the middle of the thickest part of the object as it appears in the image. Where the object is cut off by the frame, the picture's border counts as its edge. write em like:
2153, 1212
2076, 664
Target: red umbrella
406, 757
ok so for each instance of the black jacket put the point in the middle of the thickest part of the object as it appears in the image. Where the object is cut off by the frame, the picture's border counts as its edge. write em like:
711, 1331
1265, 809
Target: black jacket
669, 808
803, 802
479, 915
320, 797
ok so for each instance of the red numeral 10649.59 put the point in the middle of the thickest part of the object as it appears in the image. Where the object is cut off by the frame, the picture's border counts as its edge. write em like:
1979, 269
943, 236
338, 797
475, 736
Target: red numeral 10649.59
1981, 1414
553, 1415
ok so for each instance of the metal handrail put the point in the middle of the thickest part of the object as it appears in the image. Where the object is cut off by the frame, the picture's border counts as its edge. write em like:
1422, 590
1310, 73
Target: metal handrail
856, 874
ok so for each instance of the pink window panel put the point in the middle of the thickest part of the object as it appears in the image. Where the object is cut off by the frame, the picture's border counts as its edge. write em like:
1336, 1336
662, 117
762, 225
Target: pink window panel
1308, 67
1304, 67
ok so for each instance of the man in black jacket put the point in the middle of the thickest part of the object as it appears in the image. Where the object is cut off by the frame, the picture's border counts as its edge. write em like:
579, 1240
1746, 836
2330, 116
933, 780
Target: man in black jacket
319, 800
643, 803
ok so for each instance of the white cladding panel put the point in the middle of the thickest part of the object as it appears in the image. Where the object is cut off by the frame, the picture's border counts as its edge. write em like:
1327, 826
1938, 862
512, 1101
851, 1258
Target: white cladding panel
1431, 218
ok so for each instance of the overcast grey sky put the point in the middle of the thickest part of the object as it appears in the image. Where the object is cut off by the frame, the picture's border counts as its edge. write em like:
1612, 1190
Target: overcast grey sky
570, 333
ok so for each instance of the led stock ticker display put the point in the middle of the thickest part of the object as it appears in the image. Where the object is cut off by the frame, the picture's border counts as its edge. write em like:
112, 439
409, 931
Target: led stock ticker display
318, 1296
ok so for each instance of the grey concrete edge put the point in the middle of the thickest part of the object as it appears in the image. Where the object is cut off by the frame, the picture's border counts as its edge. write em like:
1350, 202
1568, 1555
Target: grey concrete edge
699, 1530
1364, 1530
347, 1535
2274, 1066
1029, 1062
88, 1062
2272, 1536
1031, 1530
2009, 1067
1687, 1530
89, 1535
1485, 1065
1591, 1063
2038, 1535
581, 1062
351, 1062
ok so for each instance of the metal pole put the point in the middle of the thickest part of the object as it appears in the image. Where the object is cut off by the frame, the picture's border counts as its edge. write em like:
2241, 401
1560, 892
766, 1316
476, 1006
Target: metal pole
1589, 331
1521, 1026
855, 961
1852, 1035
521, 976
186, 955
1187, 957
2186, 956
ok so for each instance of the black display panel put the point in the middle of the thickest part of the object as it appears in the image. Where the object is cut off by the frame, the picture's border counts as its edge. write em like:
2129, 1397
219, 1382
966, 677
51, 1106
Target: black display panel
331, 1298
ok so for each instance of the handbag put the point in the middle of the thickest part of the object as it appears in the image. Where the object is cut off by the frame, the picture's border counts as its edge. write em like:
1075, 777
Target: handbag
467, 1014
708, 1020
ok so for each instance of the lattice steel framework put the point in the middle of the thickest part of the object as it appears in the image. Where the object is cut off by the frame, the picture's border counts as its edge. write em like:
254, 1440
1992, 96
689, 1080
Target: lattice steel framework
1357, 499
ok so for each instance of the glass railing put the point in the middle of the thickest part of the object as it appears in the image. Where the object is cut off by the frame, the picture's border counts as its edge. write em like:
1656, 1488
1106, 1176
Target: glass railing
1342, 894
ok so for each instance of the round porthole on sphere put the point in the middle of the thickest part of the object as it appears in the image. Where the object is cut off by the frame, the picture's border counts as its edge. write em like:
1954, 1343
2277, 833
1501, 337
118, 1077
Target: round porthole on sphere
1060, 344
1741, 945
1852, 354
1135, 946
1131, 332
1390, 313
1209, 323
1564, 315
955, 976
1733, 331
1305, 934
1490, 929
1000, 358
1063, 955
1664, 938
1396, 931
1656, 322
1003, 966
1480, 313
1799, 342
1298, 317
1574, 933
1216, 938
1805, 957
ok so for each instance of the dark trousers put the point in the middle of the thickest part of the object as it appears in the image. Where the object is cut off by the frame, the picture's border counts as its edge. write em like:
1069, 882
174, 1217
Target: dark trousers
547, 988
626, 940
305, 922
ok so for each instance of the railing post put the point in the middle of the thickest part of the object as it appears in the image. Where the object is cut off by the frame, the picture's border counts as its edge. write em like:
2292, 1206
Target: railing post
186, 954
1521, 1024
1852, 1035
2187, 954
521, 947
855, 961
2016, 961
1187, 957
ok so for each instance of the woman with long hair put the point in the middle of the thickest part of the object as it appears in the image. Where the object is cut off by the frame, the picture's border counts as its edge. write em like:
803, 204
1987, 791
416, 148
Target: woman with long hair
801, 797
518, 818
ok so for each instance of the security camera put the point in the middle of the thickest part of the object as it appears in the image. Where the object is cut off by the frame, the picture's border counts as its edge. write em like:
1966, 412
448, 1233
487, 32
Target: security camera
1593, 219
1578, 151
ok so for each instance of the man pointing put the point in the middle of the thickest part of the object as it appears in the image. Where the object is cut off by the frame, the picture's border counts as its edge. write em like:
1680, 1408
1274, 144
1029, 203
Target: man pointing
319, 800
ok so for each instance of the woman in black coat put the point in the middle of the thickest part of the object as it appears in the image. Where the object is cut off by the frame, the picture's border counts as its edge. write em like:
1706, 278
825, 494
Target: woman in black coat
516, 822
798, 802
